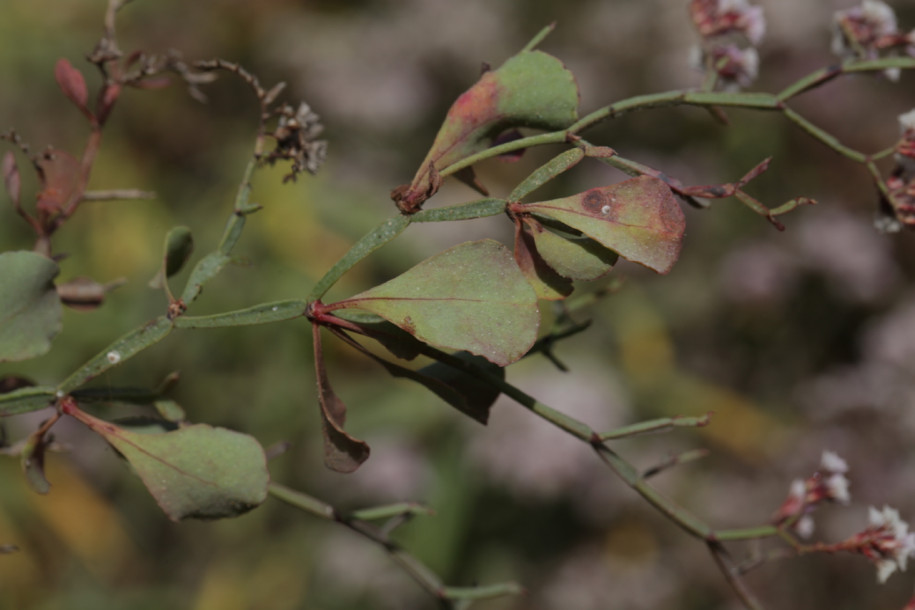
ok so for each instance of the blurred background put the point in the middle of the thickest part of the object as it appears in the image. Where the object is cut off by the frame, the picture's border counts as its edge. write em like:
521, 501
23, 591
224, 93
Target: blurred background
800, 341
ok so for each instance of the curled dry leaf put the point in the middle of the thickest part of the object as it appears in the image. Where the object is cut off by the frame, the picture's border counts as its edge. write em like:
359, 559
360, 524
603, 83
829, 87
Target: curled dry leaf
342, 452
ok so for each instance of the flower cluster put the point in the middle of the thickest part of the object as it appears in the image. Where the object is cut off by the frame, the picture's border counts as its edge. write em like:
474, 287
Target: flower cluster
864, 31
296, 140
901, 183
730, 31
886, 541
827, 484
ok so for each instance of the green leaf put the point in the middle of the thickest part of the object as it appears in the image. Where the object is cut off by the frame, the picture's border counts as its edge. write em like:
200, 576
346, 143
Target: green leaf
370, 242
640, 219
197, 471
546, 282
258, 314
531, 89
576, 257
463, 211
24, 400
205, 270
546, 172
30, 309
119, 351
179, 244
472, 297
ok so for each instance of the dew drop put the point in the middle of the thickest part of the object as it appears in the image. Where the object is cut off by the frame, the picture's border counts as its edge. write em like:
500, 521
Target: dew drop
275, 309
113, 357
606, 209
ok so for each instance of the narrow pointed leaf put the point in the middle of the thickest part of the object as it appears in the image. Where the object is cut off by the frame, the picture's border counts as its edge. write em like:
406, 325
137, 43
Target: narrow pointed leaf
342, 452
639, 219
24, 400
30, 311
265, 313
197, 471
470, 298
31, 461
126, 347
531, 89
546, 172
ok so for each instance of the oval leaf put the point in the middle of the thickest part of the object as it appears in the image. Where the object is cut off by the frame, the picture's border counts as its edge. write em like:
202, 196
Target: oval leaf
531, 89
545, 281
72, 83
575, 257
472, 297
11, 178
197, 471
30, 309
640, 219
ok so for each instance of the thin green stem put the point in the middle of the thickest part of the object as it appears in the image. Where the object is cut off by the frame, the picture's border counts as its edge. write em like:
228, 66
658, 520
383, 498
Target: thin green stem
536, 40
811, 81
392, 510
656, 425
823, 136
748, 533
732, 574
357, 522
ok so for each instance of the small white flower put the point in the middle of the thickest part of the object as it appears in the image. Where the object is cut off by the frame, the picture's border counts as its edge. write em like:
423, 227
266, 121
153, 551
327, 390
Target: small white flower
907, 121
804, 527
832, 463
726, 6
798, 490
880, 15
837, 487
754, 24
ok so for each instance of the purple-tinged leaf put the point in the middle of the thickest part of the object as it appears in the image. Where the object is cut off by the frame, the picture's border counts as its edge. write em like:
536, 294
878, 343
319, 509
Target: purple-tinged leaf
531, 89
471, 297
11, 178
73, 84
573, 256
60, 173
640, 219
